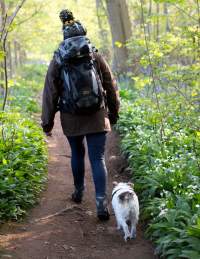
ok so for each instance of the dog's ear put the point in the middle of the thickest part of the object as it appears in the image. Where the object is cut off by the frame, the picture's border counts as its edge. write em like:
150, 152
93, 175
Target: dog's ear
115, 183
131, 184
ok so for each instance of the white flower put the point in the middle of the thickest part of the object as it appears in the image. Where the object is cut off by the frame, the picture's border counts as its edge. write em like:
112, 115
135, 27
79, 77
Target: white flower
162, 212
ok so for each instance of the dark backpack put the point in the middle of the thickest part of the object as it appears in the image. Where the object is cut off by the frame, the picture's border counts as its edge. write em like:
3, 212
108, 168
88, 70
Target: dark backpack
82, 91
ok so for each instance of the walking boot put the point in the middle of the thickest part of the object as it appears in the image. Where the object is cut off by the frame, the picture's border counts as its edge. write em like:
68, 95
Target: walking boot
102, 209
77, 196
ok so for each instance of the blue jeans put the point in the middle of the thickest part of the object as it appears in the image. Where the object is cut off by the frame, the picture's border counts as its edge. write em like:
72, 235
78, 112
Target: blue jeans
96, 149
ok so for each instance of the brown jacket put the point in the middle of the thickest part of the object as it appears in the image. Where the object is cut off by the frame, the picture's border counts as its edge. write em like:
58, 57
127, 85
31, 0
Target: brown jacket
75, 125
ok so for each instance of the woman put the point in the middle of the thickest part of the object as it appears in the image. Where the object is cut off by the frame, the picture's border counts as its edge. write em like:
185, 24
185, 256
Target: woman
76, 127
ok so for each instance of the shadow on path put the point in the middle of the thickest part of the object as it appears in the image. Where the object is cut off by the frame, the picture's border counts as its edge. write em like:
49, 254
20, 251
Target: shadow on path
58, 229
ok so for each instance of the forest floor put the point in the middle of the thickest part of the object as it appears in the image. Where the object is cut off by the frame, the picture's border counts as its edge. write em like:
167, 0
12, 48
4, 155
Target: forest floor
58, 229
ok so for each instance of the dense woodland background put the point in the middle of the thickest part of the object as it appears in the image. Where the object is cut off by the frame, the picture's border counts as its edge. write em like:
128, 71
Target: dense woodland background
154, 49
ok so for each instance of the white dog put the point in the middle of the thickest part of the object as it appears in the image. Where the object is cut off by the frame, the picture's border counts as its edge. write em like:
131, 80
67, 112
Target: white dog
126, 208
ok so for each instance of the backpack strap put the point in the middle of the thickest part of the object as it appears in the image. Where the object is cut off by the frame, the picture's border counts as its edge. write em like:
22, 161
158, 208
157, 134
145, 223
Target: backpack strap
98, 71
96, 64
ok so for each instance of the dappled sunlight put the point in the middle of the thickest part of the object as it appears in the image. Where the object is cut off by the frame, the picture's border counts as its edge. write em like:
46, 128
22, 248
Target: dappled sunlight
7, 240
54, 159
13, 241
52, 143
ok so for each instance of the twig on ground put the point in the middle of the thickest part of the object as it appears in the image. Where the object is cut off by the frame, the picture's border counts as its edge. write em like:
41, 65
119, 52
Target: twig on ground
57, 213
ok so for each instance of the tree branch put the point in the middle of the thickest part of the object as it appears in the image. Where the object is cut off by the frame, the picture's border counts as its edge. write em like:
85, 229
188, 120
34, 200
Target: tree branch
180, 9
12, 19
6, 81
31, 16
198, 10
3, 28
4, 38
162, 130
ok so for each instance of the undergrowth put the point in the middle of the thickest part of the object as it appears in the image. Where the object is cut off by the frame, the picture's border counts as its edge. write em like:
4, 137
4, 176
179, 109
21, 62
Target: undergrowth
165, 172
23, 154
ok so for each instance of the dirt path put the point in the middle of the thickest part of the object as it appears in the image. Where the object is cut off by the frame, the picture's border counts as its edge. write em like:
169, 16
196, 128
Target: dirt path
58, 229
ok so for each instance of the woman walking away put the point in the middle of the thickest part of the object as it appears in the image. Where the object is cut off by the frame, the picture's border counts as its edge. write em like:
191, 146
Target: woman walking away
80, 85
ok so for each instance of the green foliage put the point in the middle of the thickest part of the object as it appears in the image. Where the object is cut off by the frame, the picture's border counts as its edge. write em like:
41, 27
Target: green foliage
160, 128
34, 71
22, 164
21, 99
23, 154
166, 174
2, 54
25, 88
169, 1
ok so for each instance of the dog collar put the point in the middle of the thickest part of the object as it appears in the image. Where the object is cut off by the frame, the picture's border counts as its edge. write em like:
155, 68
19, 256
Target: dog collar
115, 192
118, 190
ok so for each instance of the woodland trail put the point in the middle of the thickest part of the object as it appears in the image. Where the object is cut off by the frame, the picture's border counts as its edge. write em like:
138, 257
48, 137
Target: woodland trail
58, 229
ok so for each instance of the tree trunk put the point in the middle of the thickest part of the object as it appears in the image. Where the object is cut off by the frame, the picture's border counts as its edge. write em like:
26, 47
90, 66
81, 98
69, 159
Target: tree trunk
121, 31
2, 14
4, 40
167, 26
15, 55
2, 17
21, 56
10, 67
103, 35
19, 50
157, 22
1, 77
149, 26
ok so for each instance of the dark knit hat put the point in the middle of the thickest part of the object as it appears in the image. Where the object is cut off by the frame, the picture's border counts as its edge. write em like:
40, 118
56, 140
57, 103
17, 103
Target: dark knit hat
71, 27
